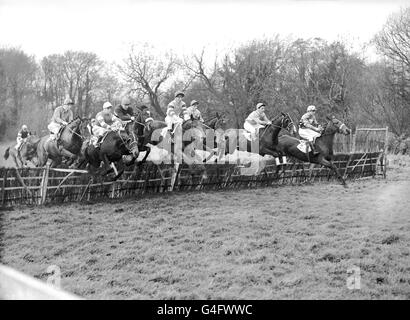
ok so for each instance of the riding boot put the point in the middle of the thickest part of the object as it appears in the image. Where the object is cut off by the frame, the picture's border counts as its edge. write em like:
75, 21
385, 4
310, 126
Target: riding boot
98, 142
313, 147
171, 132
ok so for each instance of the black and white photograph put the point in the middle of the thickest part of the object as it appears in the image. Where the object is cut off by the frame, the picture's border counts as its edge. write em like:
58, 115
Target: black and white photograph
212, 152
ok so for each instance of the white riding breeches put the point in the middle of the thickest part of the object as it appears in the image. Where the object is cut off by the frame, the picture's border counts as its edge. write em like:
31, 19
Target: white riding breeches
308, 134
54, 127
170, 120
253, 129
20, 141
99, 131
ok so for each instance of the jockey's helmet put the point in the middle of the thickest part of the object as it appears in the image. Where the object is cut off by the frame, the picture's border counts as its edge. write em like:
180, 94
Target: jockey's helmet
311, 108
68, 101
125, 101
194, 102
179, 93
260, 105
107, 105
24, 127
149, 119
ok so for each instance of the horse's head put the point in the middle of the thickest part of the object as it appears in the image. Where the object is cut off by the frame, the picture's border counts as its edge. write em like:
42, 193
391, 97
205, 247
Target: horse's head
217, 122
85, 128
29, 148
131, 140
287, 123
334, 125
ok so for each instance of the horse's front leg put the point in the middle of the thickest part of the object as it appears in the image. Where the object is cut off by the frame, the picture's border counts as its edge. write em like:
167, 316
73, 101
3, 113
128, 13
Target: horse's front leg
107, 165
330, 165
70, 155
147, 152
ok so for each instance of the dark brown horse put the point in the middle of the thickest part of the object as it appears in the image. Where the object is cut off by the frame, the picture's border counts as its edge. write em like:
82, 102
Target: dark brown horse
268, 138
114, 146
26, 152
68, 145
323, 144
154, 133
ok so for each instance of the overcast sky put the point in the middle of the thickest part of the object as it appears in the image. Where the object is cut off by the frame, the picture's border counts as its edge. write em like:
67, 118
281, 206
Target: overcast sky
107, 28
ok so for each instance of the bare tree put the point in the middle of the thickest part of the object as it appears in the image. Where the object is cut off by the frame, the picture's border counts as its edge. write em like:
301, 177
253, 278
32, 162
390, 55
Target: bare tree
17, 74
148, 71
75, 74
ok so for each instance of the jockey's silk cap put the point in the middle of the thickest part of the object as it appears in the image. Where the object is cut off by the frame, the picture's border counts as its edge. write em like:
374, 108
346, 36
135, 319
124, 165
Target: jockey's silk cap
23, 126
107, 105
311, 108
259, 105
179, 93
125, 101
68, 101
194, 102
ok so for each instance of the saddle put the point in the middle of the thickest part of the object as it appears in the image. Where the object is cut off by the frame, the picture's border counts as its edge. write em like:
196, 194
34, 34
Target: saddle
304, 146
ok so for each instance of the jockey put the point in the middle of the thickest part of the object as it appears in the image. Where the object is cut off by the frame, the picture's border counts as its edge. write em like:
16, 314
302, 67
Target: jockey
257, 119
309, 129
62, 115
22, 136
124, 111
104, 121
193, 111
176, 109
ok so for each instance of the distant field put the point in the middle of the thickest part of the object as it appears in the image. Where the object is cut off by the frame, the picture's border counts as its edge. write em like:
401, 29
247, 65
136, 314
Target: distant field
289, 242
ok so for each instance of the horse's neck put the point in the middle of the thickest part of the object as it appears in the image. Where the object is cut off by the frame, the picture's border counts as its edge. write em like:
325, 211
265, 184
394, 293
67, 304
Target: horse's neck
73, 126
327, 140
276, 127
212, 123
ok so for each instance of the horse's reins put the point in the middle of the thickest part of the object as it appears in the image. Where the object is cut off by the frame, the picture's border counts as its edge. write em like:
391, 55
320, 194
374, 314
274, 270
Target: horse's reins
276, 126
72, 131
327, 134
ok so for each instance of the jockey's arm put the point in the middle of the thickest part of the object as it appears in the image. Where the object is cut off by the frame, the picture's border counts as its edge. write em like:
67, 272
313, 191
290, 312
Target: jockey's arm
265, 119
306, 124
70, 116
57, 117
101, 122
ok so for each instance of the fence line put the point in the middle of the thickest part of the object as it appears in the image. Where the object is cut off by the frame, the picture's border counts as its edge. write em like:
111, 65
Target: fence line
42, 185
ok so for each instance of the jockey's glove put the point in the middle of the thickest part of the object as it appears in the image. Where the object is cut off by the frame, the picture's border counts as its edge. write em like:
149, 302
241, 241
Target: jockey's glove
133, 118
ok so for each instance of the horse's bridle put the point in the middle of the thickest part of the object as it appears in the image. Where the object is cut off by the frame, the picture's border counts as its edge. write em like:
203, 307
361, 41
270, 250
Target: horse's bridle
133, 135
338, 126
286, 116
72, 131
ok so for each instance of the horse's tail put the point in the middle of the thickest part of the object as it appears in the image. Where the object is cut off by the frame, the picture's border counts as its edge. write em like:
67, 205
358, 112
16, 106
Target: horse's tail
7, 153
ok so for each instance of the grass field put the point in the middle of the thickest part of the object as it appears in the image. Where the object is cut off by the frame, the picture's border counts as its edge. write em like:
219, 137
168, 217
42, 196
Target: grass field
292, 242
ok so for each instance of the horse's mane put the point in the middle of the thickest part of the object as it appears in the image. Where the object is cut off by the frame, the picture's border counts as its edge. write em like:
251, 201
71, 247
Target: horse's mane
157, 124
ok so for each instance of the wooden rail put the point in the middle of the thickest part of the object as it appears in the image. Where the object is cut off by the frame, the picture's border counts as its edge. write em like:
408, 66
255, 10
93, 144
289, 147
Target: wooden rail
39, 186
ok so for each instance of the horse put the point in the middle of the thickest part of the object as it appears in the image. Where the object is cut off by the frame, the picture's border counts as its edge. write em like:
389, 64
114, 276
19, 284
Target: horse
323, 144
67, 145
155, 133
26, 152
268, 137
114, 146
